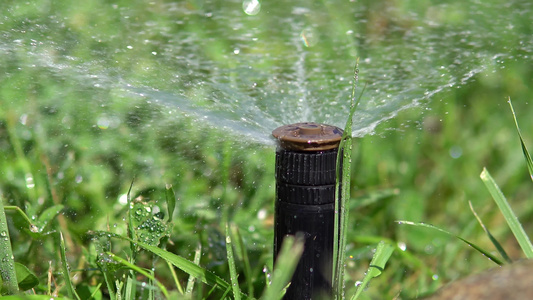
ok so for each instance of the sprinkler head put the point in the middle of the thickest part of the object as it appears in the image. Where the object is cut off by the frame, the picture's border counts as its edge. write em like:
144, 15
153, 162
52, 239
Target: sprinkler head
308, 136
306, 160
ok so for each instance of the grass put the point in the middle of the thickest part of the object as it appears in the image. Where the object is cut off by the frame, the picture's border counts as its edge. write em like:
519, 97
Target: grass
425, 170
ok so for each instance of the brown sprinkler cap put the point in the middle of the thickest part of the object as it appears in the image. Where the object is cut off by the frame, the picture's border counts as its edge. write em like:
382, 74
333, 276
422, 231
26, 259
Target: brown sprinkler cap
308, 136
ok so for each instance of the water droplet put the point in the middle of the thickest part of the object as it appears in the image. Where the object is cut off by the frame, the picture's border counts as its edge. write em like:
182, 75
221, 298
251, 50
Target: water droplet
123, 199
251, 7
456, 151
34, 228
402, 246
262, 214
29, 181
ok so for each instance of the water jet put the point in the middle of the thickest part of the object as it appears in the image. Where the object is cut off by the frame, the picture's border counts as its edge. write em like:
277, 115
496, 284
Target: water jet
306, 159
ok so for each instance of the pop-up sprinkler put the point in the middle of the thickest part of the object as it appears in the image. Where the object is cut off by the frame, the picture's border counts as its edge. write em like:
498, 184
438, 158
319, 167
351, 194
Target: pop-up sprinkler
305, 202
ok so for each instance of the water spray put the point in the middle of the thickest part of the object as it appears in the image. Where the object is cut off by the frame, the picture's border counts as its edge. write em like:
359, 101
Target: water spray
305, 202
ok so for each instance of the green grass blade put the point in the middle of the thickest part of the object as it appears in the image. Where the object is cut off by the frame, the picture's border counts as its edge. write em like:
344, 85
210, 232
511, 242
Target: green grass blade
196, 261
223, 295
32, 297
185, 265
7, 263
48, 215
479, 249
131, 229
342, 194
171, 201
409, 257
242, 253
33, 227
108, 278
524, 147
175, 278
287, 260
491, 237
510, 217
232, 269
139, 270
376, 267
130, 288
372, 197
26, 279
64, 265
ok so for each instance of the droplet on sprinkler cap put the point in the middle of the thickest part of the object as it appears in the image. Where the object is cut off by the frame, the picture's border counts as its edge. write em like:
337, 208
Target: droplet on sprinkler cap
308, 136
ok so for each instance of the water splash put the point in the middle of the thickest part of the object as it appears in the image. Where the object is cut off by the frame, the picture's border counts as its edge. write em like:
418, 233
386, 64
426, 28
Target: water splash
289, 62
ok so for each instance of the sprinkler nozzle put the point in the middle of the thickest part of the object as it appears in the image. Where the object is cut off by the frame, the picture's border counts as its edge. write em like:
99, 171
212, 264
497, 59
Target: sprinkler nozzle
308, 136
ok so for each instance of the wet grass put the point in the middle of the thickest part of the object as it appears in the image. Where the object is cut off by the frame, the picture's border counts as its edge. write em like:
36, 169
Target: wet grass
414, 173
70, 174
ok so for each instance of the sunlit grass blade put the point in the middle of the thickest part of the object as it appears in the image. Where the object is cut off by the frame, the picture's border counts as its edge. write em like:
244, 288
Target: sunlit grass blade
138, 270
64, 265
7, 263
342, 194
175, 277
287, 260
407, 256
508, 214
243, 254
232, 269
196, 261
377, 265
479, 249
524, 147
491, 237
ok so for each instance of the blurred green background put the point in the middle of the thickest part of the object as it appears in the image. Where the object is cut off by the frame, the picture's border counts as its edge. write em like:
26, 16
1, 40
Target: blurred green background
70, 135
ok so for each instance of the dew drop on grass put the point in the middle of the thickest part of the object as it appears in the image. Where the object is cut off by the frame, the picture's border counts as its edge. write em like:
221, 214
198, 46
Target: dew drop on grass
4, 236
34, 228
29, 181
402, 246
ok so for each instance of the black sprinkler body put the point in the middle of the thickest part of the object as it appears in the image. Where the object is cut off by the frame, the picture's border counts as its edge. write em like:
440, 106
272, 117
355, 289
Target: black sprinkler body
305, 202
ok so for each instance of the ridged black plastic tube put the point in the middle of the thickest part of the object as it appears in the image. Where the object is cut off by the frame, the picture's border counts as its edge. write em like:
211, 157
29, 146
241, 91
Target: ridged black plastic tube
305, 202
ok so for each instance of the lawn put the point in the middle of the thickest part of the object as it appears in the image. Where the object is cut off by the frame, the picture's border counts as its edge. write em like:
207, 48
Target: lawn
75, 137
